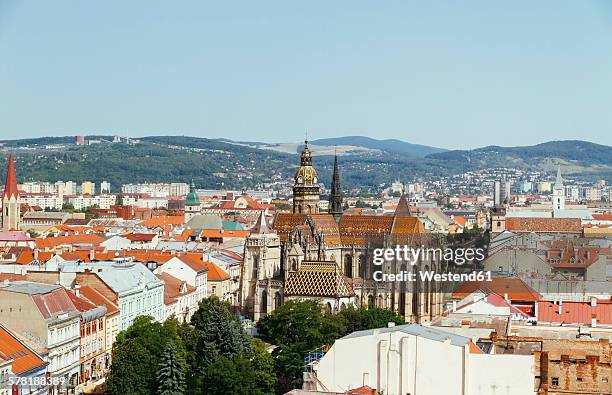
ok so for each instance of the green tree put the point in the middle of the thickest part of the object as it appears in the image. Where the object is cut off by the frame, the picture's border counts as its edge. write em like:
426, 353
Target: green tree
136, 351
170, 375
217, 332
358, 319
302, 324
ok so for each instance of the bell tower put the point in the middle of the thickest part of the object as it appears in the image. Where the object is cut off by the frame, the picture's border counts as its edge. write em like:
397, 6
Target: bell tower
11, 202
335, 197
306, 191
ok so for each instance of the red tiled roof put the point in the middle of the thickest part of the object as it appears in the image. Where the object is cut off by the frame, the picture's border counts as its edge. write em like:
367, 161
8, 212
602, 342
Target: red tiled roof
571, 312
221, 233
543, 225
215, 273
164, 220
98, 299
603, 217
172, 287
140, 237
514, 287
24, 359
51, 242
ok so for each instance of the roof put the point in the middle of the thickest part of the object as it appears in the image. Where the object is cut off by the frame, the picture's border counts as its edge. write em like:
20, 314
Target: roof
163, 221
543, 225
575, 312
173, 288
215, 273
51, 300
51, 242
135, 237
194, 263
14, 236
221, 233
205, 222
430, 333
261, 226
98, 299
24, 358
318, 278
514, 287
10, 185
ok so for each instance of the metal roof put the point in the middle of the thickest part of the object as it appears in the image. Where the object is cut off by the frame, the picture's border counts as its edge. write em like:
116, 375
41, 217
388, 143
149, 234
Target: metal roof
416, 330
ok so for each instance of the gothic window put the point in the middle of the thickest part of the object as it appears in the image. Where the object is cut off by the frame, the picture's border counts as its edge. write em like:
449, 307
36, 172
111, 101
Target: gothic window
294, 265
362, 266
348, 266
329, 308
277, 300
264, 302
370, 301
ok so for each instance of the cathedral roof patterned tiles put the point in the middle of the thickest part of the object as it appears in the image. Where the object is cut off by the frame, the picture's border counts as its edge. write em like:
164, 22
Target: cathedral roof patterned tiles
318, 278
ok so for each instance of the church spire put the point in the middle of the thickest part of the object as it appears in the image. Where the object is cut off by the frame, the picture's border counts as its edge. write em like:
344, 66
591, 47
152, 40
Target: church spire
335, 197
261, 226
402, 209
10, 185
559, 179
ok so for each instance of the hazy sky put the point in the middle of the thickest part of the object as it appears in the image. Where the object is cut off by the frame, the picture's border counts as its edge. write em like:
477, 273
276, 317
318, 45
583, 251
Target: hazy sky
445, 74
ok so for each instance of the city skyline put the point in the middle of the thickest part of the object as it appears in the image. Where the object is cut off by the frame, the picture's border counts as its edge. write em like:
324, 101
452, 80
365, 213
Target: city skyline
440, 75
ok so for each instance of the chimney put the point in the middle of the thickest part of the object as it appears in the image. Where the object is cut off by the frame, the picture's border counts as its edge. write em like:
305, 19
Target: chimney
560, 307
454, 306
593, 302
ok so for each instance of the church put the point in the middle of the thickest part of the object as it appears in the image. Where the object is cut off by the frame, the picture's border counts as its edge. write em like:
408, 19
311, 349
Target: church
328, 256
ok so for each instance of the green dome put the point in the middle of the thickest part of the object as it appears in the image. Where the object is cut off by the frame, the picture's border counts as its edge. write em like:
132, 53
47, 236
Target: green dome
192, 198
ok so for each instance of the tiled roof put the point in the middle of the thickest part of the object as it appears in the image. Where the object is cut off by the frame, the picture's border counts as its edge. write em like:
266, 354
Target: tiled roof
135, 237
194, 261
318, 279
51, 242
98, 299
221, 233
164, 220
24, 359
516, 289
14, 236
173, 288
544, 225
572, 312
215, 273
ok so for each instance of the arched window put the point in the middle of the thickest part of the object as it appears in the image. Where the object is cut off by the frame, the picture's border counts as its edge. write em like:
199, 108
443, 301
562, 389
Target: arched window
348, 266
402, 294
294, 264
329, 308
342, 306
381, 302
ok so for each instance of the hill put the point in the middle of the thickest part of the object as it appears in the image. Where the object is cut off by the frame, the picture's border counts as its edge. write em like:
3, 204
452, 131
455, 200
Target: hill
388, 145
214, 163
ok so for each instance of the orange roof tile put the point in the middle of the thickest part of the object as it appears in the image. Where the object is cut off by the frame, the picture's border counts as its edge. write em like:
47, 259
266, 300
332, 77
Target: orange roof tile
514, 287
98, 299
24, 359
51, 242
215, 273
163, 221
543, 225
221, 233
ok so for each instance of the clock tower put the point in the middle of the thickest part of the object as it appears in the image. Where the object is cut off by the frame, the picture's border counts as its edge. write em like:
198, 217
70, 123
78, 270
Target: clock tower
306, 185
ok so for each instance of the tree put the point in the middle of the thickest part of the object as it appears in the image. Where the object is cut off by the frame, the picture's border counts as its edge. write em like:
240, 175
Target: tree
170, 375
218, 332
136, 351
302, 324
358, 319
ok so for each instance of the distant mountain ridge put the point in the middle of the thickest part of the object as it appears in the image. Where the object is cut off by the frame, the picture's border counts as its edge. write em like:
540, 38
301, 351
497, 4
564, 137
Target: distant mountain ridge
387, 145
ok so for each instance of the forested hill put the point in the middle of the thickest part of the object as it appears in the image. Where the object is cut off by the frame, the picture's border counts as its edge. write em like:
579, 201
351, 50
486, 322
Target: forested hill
215, 163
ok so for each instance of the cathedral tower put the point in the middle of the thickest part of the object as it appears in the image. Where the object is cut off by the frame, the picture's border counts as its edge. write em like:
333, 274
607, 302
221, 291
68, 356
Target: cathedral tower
11, 202
335, 197
306, 185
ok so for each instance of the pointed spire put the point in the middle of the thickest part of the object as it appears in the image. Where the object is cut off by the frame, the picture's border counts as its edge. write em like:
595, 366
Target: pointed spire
10, 185
335, 197
402, 209
261, 226
559, 179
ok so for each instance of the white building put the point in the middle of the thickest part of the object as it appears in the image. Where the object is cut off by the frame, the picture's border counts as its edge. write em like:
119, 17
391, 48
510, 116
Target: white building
138, 291
81, 202
193, 272
412, 359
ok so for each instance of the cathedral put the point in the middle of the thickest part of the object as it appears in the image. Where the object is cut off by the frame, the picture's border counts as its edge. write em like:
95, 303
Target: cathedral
328, 256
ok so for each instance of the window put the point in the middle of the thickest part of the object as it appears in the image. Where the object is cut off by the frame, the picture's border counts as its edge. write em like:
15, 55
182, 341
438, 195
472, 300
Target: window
555, 381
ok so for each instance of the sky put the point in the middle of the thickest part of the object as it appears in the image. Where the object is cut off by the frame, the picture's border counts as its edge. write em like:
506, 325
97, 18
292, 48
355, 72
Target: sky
446, 73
